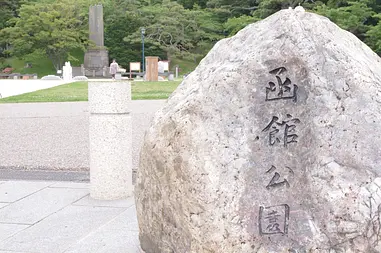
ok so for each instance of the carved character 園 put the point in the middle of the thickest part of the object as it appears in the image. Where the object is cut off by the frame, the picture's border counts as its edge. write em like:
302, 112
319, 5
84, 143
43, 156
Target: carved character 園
274, 220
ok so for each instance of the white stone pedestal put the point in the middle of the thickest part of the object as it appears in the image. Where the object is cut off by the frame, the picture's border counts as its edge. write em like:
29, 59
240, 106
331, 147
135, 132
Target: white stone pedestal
110, 134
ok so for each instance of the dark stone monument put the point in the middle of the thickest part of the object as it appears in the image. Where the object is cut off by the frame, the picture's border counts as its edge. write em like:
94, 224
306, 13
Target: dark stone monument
96, 57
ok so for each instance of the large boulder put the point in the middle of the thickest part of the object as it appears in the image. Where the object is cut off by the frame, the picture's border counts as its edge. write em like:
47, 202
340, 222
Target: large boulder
273, 144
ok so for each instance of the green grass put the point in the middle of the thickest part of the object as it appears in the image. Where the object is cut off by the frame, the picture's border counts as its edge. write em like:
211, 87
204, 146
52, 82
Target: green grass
185, 66
153, 90
40, 66
78, 92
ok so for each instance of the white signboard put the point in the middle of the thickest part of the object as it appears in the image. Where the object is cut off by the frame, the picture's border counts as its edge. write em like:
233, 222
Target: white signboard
163, 66
134, 66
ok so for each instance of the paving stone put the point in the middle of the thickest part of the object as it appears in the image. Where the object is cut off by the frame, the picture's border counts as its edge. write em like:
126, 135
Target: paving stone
7, 230
3, 204
88, 201
39, 205
70, 185
41, 173
108, 241
61, 131
6, 251
62, 230
119, 235
125, 221
11, 191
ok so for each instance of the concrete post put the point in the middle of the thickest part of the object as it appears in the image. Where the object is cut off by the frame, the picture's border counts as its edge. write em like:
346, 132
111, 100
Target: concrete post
110, 134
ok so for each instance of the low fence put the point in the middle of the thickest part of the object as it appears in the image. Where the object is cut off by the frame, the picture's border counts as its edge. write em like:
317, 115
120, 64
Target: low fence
18, 76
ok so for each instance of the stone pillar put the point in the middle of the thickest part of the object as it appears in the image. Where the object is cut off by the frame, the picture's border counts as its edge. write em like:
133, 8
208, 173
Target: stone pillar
152, 68
96, 57
110, 134
96, 27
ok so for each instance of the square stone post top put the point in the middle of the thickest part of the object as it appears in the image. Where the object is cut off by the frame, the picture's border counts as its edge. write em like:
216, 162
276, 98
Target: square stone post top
109, 97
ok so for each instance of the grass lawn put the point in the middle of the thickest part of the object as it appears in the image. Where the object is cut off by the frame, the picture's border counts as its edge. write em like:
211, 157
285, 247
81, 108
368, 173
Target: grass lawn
78, 92
40, 66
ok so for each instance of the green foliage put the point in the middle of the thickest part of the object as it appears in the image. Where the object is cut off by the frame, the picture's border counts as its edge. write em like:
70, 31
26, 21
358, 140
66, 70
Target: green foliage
189, 4
353, 17
233, 25
119, 22
8, 10
185, 65
234, 8
176, 30
181, 31
41, 65
373, 35
59, 28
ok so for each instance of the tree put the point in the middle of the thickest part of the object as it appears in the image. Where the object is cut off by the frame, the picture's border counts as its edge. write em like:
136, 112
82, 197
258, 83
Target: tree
189, 4
373, 36
233, 25
268, 7
117, 25
233, 8
176, 30
8, 10
122, 19
60, 28
353, 16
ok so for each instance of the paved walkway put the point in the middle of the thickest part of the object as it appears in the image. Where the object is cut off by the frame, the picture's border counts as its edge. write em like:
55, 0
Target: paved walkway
60, 217
10, 87
55, 136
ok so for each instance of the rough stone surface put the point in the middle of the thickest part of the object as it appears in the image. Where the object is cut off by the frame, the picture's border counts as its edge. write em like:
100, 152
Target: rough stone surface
219, 173
110, 156
96, 26
96, 57
109, 97
95, 60
110, 132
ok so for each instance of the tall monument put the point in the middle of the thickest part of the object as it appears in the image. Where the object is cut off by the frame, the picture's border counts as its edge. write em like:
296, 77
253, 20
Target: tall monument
96, 57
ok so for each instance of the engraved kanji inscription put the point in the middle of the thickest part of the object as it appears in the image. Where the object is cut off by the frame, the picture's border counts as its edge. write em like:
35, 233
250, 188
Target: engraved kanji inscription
281, 88
282, 132
274, 220
275, 180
